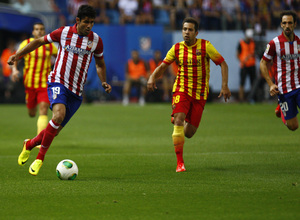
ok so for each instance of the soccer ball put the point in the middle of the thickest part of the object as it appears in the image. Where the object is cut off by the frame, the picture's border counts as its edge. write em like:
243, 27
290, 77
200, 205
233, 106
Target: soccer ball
67, 170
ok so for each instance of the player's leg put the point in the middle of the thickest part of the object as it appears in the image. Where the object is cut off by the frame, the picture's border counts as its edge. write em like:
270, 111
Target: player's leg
58, 99
59, 111
178, 139
30, 99
193, 117
288, 105
32, 112
31, 103
44, 104
43, 116
292, 124
189, 130
64, 106
278, 111
180, 105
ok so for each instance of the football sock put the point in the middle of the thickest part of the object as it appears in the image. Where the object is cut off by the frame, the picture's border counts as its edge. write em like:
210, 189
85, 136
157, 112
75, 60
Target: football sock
282, 118
42, 123
178, 141
35, 141
50, 132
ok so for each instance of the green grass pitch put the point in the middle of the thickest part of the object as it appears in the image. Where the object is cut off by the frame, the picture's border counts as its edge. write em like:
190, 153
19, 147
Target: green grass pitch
242, 163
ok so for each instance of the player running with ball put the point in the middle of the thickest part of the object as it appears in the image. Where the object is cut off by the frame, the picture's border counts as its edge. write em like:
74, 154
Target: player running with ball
191, 87
77, 44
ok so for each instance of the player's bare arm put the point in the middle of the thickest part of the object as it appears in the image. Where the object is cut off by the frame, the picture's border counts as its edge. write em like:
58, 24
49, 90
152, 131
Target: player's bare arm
101, 71
225, 92
27, 49
15, 72
265, 73
151, 86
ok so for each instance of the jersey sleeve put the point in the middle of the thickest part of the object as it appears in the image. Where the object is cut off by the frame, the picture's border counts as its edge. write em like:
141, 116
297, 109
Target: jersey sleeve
269, 52
98, 53
213, 54
54, 36
170, 57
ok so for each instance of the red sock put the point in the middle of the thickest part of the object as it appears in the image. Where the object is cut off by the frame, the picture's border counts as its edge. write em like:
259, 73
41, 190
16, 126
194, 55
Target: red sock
50, 132
178, 141
35, 141
179, 153
282, 118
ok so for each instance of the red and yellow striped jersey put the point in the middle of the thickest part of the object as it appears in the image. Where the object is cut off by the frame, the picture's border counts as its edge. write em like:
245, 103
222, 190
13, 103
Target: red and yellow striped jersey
193, 67
37, 65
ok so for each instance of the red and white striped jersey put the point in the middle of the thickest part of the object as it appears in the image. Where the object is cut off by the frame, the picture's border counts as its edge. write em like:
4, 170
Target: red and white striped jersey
74, 57
286, 62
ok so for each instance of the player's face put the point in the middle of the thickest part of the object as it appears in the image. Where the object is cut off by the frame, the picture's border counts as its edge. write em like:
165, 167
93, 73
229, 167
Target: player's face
288, 25
84, 26
189, 33
38, 31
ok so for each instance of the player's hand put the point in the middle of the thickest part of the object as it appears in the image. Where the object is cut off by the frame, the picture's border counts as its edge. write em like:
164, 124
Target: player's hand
107, 87
151, 86
12, 59
225, 92
274, 90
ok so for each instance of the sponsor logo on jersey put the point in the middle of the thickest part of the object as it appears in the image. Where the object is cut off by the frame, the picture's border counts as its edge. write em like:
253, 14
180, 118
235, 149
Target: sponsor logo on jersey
77, 50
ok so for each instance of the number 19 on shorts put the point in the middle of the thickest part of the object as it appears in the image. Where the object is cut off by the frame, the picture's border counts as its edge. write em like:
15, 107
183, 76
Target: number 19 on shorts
55, 92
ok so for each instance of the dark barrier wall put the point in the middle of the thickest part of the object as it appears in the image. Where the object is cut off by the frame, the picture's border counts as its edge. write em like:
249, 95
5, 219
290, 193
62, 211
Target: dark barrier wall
17, 22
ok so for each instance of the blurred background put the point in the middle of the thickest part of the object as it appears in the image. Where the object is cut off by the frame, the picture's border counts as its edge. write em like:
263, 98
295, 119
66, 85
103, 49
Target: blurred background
148, 26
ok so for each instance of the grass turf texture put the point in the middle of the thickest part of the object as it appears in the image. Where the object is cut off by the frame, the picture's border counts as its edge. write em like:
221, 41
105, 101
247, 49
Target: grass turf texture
242, 163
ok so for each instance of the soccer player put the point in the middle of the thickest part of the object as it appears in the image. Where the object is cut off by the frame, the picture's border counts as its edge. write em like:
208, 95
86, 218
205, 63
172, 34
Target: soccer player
77, 44
283, 50
191, 87
37, 66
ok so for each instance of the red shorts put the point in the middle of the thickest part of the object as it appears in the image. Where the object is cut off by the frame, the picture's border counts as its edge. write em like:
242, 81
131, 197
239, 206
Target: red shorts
191, 107
36, 96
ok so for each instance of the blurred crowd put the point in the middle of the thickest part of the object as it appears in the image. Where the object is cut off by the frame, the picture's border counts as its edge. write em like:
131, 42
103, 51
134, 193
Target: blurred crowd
258, 15
212, 14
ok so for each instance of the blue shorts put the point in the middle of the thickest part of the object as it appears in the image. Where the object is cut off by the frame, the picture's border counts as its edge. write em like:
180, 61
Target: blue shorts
57, 93
288, 103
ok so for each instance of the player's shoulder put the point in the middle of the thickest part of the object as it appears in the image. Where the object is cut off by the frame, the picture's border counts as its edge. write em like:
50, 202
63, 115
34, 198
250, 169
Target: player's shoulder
25, 42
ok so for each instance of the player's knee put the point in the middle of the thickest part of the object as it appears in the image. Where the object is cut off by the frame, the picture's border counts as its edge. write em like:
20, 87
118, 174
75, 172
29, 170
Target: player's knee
189, 134
293, 127
58, 118
31, 114
292, 124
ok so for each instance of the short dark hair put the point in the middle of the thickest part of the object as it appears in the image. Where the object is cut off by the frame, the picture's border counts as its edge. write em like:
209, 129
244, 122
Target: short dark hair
292, 13
38, 22
191, 20
86, 11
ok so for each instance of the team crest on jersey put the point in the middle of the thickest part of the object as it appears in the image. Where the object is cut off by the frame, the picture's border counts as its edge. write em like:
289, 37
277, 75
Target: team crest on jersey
89, 44
198, 52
